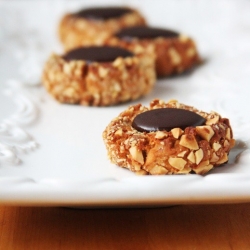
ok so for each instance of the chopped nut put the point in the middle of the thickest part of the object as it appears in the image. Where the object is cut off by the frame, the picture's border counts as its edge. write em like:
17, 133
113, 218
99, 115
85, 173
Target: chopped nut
117, 87
203, 169
67, 69
160, 135
174, 102
158, 170
136, 166
103, 72
120, 160
136, 154
118, 132
183, 38
91, 76
129, 61
228, 134
178, 163
141, 172
190, 52
176, 132
150, 157
203, 163
78, 72
181, 154
138, 49
189, 141
198, 156
214, 157
214, 119
206, 132
171, 101
118, 62
226, 143
185, 170
191, 157
222, 126
223, 159
161, 102
176, 58
69, 92
216, 146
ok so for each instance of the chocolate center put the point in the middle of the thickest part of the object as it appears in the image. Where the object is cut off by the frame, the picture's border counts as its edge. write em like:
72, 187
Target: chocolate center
143, 32
97, 54
104, 13
166, 119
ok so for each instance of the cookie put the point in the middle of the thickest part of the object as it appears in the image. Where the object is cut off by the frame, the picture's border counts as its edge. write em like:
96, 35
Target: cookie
174, 52
92, 26
168, 138
98, 76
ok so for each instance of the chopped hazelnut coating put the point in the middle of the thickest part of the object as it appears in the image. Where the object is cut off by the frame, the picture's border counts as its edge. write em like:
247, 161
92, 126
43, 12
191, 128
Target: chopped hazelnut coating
194, 149
99, 83
75, 31
173, 55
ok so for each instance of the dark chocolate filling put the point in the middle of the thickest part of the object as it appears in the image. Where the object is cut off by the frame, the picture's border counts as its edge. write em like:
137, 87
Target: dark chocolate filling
102, 13
97, 54
144, 32
166, 119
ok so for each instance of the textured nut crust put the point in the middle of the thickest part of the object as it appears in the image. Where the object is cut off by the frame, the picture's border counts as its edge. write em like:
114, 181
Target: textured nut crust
75, 32
173, 55
99, 84
196, 149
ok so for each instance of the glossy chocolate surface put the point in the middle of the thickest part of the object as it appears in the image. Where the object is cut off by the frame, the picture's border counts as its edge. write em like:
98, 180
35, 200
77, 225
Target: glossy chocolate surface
144, 32
97, 54
166, 119
102, 13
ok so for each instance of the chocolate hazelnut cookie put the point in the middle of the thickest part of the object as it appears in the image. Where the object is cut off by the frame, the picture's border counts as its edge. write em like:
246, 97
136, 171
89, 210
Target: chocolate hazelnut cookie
174, 52
92, 26
168, 138
98, 76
